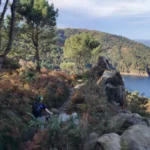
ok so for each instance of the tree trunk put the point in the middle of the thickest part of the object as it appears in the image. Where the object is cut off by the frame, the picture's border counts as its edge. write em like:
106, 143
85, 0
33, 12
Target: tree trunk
1, 20
38, 67
12, 28
35, 39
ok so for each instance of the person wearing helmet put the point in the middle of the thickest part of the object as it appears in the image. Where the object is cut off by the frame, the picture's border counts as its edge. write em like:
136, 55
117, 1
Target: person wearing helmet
38, 108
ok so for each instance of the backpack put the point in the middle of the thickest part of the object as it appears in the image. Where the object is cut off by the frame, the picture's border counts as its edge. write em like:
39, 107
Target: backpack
37, 109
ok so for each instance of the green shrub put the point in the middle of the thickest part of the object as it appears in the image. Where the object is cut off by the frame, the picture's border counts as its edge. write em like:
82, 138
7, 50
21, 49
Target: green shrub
69, 136
58, 135
29, 74
95, 110
56, 95
69, 66
10, 130
14, 65
10, 63
137, 103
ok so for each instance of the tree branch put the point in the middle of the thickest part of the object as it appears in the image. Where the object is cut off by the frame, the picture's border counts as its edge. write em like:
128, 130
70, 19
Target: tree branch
1, 20
12, 28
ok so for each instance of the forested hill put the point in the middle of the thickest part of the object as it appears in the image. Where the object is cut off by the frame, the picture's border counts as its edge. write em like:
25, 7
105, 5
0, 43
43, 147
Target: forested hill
126, 55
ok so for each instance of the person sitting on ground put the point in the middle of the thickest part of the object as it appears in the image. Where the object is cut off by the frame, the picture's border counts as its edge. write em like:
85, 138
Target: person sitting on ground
38, 109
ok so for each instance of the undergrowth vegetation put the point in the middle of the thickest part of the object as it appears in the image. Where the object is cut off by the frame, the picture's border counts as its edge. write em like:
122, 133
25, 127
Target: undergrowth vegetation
18, 129
18, 91
30, 45
94, 114
138, 103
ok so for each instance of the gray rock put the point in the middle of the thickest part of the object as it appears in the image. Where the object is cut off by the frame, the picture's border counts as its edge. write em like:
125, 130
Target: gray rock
148, 121
108, 74
90, 141
136, 137
79, 86
80, 80
114, 87
110, 80
108, 142
55, 111
98, 70
136, 115
117, 122
63, 117
135, 119
122, 121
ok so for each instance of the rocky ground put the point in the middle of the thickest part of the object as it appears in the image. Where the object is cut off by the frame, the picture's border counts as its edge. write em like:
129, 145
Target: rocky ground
127, 131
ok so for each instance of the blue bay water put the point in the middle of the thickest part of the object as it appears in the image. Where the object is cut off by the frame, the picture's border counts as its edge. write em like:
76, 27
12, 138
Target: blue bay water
141, 84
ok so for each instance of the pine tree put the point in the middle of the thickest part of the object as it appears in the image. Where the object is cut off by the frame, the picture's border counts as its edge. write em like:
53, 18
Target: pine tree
39, 27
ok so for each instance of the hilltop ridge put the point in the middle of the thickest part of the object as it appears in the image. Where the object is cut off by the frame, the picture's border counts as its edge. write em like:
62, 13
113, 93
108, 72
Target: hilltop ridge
127, 56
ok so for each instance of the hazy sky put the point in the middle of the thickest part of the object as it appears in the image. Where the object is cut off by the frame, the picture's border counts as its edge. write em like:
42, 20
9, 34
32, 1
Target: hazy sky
129, 18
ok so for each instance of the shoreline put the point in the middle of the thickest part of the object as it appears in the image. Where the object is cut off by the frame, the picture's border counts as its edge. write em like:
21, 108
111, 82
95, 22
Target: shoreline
135, 74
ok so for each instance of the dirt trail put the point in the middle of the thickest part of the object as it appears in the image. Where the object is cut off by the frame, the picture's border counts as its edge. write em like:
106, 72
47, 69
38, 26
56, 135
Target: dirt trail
64, 107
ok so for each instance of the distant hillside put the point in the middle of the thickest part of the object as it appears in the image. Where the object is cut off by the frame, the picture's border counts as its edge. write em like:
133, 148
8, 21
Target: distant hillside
145, 42
126, 55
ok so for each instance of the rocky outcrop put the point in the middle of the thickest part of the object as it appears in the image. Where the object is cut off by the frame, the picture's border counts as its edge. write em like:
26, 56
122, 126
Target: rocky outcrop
120, 122
104, 81
90, 141
98, 70
108, 142
136, 137
114, 87
110, 80
148, 70
127, 131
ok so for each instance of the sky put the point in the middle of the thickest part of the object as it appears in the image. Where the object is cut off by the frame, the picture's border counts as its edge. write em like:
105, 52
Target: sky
129, 18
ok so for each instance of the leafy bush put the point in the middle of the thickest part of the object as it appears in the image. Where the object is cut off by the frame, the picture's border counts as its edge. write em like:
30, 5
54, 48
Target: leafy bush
56, 95
137, 103
92, 104
68, 66
57, 136
17, 94
10, 63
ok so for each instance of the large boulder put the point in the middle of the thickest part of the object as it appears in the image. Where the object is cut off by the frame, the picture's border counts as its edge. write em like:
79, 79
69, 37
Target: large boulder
136, 137
111, 80
148, 121
120, 122
114, 87
108, 142
90, 141
64, 118
106, 82
98, 70
55, 111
